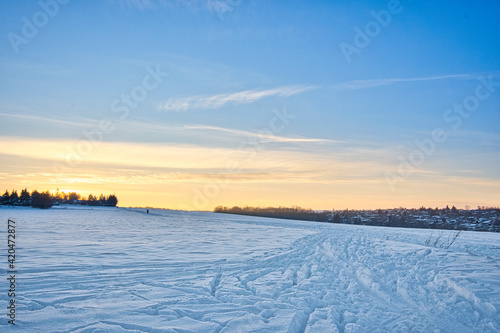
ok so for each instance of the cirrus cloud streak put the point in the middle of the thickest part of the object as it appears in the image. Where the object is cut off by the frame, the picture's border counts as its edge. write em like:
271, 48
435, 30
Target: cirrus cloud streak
217, 101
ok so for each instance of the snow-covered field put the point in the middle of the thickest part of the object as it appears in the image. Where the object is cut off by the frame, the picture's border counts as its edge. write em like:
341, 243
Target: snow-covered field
121, 270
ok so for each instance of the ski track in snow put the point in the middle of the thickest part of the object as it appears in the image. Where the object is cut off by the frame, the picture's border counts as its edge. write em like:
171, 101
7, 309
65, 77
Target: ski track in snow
120, 270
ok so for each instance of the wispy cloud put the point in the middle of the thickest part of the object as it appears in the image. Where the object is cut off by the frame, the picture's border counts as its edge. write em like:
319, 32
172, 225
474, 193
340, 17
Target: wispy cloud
168, 156
37, 68
81, 122
141, 4
204, 133
261, 136
185, 157
364, 84
250, 96
217, 6
217, 101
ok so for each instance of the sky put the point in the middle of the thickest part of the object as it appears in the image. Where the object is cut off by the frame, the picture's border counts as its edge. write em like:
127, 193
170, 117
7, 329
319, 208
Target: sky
193, 104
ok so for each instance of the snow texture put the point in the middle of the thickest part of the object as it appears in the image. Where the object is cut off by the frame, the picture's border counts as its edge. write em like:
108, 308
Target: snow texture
122, 270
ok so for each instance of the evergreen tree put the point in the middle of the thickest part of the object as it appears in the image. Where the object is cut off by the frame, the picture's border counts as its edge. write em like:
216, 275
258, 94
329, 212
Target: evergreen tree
14, 197
112, 201
46, 199
25, 197
102, 200
41, 200
5, 198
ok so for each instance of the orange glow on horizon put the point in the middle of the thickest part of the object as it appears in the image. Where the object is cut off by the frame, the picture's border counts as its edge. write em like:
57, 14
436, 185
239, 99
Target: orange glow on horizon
175, 179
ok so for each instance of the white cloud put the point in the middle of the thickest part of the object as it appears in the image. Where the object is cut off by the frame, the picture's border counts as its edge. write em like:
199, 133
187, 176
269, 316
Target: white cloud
216, 6
364, 84
216, 101
80, 122
141, 4
202, 132
250, 96
191, 159
262, 136
170, 156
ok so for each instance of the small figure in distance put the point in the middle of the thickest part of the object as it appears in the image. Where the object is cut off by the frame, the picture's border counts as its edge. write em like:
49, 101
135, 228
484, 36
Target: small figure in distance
147, 211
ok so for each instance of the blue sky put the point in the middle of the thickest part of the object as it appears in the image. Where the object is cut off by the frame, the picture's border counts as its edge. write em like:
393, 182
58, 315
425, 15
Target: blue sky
227, 69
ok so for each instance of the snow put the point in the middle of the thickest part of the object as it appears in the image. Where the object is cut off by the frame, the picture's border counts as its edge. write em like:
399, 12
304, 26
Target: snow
122, 270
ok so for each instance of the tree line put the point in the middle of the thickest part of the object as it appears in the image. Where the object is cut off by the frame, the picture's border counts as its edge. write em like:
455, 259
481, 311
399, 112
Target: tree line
293, 213
46, 199
483, 218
